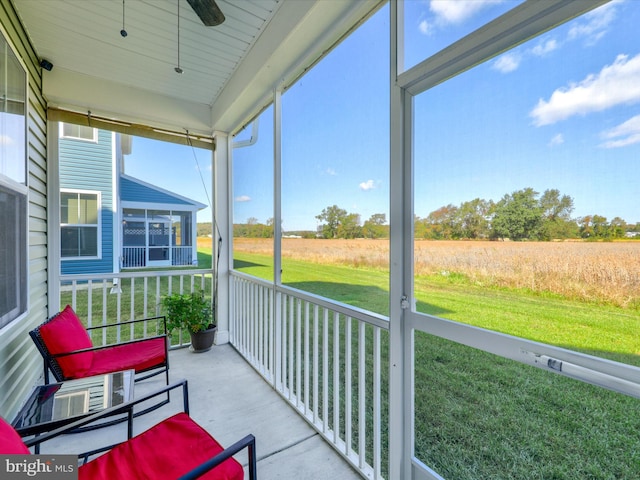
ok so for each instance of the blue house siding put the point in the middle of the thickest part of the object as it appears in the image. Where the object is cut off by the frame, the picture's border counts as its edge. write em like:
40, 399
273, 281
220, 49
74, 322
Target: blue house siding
89, 166
135, 192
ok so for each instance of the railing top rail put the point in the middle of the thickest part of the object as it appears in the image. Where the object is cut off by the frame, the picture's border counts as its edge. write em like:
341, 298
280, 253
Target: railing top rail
127, 274
366, 316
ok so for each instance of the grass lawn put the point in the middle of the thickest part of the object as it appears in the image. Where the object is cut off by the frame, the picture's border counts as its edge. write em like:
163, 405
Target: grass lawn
478, 416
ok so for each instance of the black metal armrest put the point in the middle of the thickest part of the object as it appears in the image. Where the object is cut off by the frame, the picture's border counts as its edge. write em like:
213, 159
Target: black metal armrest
124, 408
247, 442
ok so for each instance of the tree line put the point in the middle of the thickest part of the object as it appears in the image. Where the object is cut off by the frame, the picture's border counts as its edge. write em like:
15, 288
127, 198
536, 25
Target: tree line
522, 215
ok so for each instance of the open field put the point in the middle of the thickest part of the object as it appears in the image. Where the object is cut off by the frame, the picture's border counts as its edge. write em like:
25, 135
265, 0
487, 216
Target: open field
479, 416
600, 272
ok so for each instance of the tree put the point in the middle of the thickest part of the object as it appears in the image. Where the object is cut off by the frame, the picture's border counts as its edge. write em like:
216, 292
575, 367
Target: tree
472, 218
586, 227
518, 216
441, 223
350, 226
376, 227
333, 217
556, 215
618, 228
600, 226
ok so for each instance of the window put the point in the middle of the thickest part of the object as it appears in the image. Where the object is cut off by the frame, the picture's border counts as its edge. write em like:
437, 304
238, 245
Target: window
525, 188
79, 219
13, 186
78, 132
253, 208
335, 193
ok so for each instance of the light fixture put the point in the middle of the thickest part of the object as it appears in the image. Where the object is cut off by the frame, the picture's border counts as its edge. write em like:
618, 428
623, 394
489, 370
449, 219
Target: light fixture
123, 32
178, 69
46, 64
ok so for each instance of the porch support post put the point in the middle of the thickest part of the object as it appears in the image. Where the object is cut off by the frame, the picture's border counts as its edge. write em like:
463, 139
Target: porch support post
53, 219
401, 263
222, 228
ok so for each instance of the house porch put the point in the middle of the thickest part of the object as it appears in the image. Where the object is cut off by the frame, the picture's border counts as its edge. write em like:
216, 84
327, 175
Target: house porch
230, 399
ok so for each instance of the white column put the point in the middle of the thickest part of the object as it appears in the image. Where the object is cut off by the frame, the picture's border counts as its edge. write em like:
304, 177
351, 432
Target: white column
53, 219
222, 229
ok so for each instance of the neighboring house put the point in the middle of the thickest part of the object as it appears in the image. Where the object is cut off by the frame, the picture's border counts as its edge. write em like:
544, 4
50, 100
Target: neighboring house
109, 220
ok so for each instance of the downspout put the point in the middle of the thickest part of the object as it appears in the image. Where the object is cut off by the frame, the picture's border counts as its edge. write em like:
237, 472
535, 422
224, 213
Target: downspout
116, 236
252, 140
117, 221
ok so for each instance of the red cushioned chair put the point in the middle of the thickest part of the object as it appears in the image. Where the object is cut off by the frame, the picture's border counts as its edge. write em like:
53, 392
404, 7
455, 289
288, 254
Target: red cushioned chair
177, 447
68, 351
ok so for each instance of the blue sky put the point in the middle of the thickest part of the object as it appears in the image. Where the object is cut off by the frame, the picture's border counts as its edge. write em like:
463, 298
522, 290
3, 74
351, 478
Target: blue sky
174, 167
560, 111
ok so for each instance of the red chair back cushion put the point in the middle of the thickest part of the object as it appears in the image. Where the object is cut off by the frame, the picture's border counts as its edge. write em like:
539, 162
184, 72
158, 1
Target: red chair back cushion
65, 333
10, 441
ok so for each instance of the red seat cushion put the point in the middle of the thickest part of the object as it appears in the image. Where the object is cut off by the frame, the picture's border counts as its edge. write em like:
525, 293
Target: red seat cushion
166, 451
65, 333
136, 356
10, 441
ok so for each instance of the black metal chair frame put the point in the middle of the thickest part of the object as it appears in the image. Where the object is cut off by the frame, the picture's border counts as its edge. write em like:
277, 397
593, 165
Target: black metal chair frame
248, 441
51, 362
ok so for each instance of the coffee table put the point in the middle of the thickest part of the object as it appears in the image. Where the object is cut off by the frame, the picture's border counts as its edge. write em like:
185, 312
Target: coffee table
54, 405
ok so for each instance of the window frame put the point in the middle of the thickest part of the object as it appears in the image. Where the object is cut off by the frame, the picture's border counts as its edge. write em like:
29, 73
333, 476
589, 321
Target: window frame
19, 188
521, 24
97, 226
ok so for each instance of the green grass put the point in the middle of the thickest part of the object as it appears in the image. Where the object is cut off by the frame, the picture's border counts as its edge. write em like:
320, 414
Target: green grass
479, 416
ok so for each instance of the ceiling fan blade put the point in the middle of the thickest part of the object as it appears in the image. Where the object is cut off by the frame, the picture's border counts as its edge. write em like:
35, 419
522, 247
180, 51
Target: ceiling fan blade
208, 11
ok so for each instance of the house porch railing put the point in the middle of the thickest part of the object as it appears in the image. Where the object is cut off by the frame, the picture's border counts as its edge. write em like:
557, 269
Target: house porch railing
328, 360
105, 299
136, 257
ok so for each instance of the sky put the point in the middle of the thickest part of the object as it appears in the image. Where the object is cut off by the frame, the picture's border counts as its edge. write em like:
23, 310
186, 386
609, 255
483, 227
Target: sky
177, 168
561, 111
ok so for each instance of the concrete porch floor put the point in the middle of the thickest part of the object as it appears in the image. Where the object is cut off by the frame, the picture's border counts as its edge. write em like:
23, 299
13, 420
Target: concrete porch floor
230, 400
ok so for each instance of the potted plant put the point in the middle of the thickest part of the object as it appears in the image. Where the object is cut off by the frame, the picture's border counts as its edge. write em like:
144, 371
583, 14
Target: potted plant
191, 312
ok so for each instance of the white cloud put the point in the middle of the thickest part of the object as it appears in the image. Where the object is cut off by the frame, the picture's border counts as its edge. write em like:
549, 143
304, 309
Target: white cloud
368, 185
243, 198
331, 171
615, 84
557, 140
448, 12
426, 28
594, 25
507, 63
545, 47
629, 131
6, 140
510, 61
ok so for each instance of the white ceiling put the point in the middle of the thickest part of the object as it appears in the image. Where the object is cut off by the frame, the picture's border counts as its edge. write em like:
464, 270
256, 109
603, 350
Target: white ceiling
229, 70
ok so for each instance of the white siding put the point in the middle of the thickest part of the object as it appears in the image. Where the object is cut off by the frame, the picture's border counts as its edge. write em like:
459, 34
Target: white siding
20, 363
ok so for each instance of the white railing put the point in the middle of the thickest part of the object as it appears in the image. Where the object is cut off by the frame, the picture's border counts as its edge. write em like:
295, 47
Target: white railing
325, 358
110, 299
182, 256
136, 257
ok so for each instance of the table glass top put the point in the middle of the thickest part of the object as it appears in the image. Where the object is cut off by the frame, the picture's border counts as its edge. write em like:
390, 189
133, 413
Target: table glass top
75, 398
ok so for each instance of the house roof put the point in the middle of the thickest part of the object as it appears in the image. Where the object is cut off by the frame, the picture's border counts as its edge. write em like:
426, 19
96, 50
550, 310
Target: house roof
135, 190
230, 70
